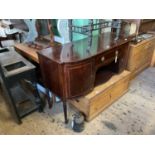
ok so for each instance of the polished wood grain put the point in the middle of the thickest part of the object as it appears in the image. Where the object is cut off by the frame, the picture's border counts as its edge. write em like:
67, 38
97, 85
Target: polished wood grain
79, 76
70, 70
77, 51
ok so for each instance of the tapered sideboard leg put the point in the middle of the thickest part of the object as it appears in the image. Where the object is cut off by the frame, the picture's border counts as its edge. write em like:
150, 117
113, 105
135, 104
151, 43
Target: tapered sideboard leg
65, 111
48, 97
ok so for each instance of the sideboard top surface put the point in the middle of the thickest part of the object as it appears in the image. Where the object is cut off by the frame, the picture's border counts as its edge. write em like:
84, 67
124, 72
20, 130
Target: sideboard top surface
77, 51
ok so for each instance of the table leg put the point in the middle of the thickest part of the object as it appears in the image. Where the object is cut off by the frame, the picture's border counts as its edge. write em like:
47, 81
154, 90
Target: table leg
65, 111
50, 104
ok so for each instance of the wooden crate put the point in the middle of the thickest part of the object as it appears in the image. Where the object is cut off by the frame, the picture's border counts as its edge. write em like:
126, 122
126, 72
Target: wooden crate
102, 96
140, 56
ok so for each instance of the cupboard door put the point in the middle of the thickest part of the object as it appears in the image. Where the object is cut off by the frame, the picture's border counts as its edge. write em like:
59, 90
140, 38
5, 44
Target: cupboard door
79, 78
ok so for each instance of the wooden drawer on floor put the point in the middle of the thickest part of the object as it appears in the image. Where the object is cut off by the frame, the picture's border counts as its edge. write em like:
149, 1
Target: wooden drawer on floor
102, 96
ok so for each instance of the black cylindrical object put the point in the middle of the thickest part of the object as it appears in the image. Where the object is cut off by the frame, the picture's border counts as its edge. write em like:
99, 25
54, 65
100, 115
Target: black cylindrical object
78, 122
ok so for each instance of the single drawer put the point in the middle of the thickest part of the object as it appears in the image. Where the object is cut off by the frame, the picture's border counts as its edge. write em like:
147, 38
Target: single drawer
107, 57
143, 47
151, 44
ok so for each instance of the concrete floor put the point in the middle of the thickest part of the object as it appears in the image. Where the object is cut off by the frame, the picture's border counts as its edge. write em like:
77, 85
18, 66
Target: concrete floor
134, 113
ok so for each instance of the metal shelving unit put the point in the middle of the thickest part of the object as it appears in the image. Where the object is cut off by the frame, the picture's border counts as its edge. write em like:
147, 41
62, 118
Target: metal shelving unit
93, 25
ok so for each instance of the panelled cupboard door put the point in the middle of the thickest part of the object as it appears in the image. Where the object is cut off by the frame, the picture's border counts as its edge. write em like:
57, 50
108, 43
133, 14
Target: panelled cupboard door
79, 78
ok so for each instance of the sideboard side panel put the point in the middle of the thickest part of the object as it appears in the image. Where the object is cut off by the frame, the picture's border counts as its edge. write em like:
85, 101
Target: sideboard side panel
51, 74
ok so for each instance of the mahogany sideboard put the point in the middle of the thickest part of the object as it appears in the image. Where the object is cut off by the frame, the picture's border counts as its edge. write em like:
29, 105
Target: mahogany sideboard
70, 70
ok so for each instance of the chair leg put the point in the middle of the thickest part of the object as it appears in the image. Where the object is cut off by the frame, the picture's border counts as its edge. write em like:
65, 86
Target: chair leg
38, 99
53, 98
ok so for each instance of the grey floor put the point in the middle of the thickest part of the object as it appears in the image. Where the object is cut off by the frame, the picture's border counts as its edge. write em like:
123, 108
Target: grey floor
133, 113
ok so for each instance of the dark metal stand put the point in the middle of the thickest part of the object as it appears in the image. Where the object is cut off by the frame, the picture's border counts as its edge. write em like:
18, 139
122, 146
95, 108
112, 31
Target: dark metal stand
87, 30
12, 37
19, 85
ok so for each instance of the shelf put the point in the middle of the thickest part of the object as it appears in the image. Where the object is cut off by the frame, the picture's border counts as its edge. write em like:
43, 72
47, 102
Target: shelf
25, 102
94, 26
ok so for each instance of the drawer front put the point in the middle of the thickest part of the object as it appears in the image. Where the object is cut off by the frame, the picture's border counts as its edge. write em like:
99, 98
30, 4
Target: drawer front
140, 55
151, 43
143, 47
108, 57
107, 97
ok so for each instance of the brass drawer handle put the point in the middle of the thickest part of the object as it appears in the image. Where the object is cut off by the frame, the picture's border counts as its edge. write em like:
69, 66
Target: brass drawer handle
103, 58
116, 56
